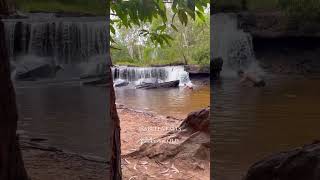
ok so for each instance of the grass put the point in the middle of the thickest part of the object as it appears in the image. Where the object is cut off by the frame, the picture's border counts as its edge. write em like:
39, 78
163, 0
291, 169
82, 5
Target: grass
94, 7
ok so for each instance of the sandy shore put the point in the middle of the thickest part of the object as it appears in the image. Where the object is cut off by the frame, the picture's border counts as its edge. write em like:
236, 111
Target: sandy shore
52, 164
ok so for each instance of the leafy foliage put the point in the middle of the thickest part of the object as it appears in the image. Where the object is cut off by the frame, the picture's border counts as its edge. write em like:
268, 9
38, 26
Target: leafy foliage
130, 13
191, 44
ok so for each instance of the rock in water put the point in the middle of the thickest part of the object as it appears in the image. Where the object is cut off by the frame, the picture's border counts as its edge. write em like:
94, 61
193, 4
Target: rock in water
120, 83
298, 164
169, 84
33, 71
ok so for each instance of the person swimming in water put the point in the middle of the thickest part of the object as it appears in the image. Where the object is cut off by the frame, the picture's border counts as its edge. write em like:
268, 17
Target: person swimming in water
246, 76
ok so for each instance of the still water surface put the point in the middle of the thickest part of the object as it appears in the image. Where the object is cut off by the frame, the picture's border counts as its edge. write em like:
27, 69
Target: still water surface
251, 123
176, 102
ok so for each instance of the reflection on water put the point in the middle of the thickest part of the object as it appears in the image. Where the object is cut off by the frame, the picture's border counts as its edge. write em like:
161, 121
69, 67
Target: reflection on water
70, 116
251, 123
73, 117
177, 102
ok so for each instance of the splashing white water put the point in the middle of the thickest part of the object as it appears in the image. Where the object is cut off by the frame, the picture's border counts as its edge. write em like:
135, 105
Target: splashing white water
161, 74
67, 40
233, 45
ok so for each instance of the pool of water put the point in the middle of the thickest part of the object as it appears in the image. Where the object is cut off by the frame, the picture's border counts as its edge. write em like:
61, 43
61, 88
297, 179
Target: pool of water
176, 102
250, 123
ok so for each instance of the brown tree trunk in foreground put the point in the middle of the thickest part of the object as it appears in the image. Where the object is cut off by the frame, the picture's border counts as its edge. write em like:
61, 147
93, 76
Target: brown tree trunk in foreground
115, 162
11, 163
116, 146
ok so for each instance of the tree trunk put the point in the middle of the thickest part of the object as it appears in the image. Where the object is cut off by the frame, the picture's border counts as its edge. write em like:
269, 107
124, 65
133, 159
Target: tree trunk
11, 163
115, 162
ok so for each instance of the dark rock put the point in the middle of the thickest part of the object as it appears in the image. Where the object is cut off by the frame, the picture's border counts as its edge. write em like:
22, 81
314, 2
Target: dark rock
196, 71
216, 67
120, 83
96, 81
38, 139
298, 164
34, 71
197, 121
274, 24
170, 84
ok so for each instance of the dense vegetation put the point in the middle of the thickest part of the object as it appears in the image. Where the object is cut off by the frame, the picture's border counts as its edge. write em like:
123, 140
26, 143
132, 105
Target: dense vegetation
95, 7
157, 32
190, 44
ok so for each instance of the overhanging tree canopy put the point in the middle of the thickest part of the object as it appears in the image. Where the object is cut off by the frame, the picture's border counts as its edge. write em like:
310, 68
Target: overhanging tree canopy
128, 13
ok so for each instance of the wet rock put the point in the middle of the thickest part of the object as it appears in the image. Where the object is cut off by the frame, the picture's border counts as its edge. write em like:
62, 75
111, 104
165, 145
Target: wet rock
196, 71
216, 67
297, 164
169, 84
97, 82
33, 71
38, 139
120, 83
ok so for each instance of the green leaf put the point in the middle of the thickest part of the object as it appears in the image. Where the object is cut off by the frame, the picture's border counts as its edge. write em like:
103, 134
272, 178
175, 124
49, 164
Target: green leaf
113, 31
183, 17
174, 27
201, 16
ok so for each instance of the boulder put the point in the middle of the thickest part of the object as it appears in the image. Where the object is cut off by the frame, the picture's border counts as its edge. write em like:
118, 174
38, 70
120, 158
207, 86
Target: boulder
298, 164
120, 83
197, 121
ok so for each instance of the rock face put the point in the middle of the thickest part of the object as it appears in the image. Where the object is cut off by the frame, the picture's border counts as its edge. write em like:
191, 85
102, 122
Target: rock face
298, 164
274, 25
196, 71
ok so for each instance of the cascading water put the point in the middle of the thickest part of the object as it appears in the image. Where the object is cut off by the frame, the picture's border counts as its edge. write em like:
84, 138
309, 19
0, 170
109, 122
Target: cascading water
162, 74
232, 44
68, 41
77, 43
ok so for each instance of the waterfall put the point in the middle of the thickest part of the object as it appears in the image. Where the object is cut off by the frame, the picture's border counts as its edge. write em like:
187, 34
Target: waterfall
231, 43
65, 40
163, 74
